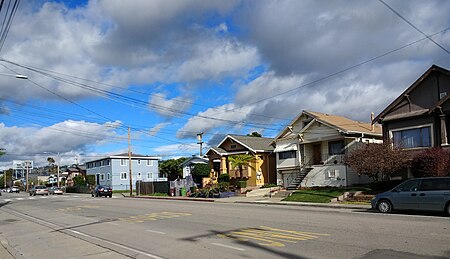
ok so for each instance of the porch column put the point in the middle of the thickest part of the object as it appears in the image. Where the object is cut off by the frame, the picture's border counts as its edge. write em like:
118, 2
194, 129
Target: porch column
223, 165
443, 130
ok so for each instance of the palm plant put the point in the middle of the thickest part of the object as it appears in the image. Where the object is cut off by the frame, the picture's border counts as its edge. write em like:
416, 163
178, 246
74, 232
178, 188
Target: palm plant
239, 161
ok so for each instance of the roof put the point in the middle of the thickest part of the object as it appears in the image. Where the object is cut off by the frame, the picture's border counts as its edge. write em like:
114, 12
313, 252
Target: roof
125, 155
254, 144
344, 124
194, 160
340, 123
399, 99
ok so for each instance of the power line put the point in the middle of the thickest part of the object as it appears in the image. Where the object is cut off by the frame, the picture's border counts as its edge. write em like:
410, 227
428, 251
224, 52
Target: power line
5, 28
412, 25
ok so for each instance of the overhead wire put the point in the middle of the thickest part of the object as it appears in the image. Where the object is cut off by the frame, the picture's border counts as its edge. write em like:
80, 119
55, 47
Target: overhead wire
5, 28
412, 25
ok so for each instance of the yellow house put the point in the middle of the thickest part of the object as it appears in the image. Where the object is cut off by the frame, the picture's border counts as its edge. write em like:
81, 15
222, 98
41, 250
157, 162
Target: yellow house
261, 170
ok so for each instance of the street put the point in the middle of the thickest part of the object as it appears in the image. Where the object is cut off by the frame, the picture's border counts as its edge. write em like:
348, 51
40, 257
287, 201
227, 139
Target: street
79, 226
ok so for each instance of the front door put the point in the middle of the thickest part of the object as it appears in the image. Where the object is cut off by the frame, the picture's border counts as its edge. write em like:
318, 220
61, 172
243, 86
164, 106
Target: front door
97, 179
317, 154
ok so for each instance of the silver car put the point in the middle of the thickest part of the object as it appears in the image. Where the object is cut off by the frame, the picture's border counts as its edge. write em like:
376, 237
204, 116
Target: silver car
425, 194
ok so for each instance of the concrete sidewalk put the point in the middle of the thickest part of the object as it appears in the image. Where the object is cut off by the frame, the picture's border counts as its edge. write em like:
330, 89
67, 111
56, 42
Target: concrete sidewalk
6, 251
257, 200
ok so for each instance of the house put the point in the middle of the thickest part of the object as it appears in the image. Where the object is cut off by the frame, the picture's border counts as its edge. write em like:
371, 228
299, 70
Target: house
420, 117
73, 171
190, 163
114, 170
259, 172
310, 150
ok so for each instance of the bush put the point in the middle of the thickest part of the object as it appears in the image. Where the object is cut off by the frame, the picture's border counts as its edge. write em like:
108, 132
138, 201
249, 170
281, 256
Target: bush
431, 162
242, 184
223, 186
224, 178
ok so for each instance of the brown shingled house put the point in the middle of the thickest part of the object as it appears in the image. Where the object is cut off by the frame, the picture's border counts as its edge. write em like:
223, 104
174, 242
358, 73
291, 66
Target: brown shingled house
262, 169
311, 149
420, 117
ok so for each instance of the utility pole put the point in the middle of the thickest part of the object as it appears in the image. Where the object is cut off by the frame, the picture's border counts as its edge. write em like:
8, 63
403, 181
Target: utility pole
129, 162
27, 165
200, 142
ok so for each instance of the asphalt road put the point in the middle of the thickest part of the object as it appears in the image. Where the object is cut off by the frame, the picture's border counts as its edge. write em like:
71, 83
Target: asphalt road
79, 226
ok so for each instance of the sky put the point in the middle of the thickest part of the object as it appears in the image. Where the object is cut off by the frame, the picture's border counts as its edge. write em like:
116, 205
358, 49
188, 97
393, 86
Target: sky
168, 70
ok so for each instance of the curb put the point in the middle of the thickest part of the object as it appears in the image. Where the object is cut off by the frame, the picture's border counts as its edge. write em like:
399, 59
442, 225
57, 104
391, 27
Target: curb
305, 204
318, 205
171, 198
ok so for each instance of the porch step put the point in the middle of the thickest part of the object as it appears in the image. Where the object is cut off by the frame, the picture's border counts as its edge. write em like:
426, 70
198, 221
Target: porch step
295, 184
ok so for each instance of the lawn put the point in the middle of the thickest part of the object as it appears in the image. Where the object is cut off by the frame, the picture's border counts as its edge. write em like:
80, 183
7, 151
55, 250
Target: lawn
321, 194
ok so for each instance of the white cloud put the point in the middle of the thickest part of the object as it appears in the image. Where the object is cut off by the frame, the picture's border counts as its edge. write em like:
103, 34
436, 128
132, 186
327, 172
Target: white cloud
64, 138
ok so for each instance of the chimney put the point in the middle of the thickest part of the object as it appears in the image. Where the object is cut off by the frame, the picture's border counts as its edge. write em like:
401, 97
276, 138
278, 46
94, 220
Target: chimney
372, 116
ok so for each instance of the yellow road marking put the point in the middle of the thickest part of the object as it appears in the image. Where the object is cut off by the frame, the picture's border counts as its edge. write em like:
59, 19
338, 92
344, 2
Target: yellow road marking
268, 236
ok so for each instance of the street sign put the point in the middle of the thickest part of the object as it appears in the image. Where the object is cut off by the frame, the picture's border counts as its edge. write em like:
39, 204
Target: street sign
22, 165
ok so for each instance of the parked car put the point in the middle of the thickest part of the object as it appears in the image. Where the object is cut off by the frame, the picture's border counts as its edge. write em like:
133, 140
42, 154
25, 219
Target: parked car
55, 190
424, 194
100, 190
14, 189
38, 190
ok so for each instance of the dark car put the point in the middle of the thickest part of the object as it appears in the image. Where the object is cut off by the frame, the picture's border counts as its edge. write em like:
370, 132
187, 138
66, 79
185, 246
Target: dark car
102, 191
424, 194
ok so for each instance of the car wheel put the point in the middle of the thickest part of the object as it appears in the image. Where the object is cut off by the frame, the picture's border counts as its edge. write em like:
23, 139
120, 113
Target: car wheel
384, 206
34, 194
110, 196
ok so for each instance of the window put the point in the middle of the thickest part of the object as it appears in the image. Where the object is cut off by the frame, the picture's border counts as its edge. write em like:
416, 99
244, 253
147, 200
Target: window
412, 138
149, 176
139, 175
139, 162
123, 176
102, 177
233, 146
336, 147
287, 154
409, 186
108, 176
149, 162
123, 162
433, 185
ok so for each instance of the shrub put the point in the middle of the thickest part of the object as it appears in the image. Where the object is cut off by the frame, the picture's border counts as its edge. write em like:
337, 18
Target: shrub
431, 162
224, 178
242, 184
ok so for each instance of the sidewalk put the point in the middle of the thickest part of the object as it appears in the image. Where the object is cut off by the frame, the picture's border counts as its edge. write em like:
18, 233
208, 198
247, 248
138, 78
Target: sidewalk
257, 200
6, 252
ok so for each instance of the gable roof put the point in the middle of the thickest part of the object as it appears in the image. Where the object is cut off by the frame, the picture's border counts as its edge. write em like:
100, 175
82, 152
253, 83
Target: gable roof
411, 88
344, 124
194, 160
254, 144
339, 123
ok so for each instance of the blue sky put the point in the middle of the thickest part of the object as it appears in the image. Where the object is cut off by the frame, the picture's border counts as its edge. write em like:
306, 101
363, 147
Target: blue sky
171, 69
